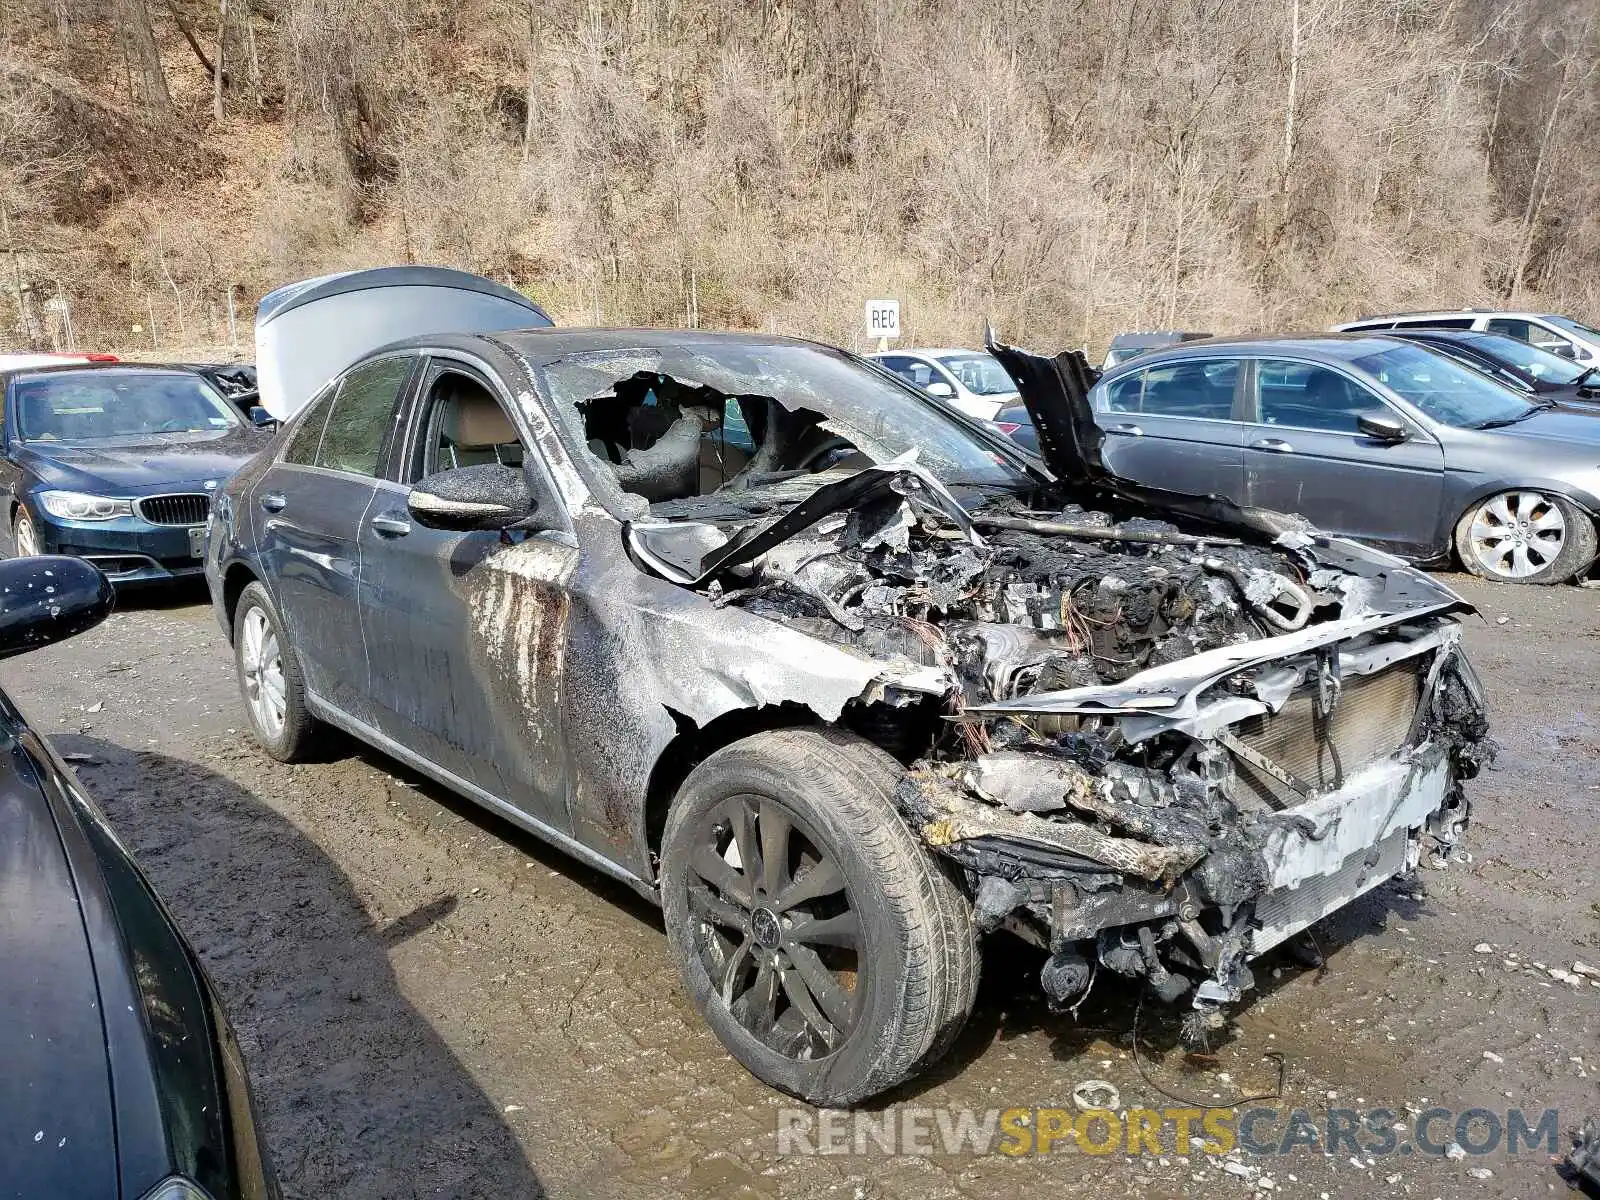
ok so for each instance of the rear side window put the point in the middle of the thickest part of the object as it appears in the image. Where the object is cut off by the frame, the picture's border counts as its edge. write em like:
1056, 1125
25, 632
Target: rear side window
1436, 323
1201, 389
307, 435
1305, 396
362, 420
1365, 326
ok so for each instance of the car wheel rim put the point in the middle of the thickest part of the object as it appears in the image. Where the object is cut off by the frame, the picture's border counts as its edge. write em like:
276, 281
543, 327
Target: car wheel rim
775, 928
262, 662
1517, 534
27, 539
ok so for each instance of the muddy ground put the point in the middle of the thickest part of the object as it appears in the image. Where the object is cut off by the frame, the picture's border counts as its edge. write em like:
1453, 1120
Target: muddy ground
434, 1004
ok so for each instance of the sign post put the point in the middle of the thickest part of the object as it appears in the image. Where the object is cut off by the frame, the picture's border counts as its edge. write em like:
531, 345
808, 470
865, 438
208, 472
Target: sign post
883, 321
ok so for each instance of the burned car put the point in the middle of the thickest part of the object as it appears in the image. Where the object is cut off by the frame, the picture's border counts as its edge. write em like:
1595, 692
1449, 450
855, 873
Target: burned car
841, 678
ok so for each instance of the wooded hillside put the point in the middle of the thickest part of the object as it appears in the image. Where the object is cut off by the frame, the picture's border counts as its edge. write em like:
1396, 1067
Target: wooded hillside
1066, 168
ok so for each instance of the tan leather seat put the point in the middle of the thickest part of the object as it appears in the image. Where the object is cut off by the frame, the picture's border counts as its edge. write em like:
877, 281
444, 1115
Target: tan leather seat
475, 430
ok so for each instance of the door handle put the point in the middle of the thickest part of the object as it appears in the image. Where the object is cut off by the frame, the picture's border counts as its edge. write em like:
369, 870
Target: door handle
1276, 445
274, 502
388, 526
1128, 428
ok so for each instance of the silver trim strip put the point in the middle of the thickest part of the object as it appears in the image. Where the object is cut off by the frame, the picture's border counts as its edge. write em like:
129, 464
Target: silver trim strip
360, 729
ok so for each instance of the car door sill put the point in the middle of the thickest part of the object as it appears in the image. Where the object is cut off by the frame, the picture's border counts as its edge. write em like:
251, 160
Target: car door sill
356, 728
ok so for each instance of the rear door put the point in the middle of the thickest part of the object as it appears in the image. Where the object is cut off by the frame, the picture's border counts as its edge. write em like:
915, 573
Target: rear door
307, 509
467, 658
1303, 453
1173, 426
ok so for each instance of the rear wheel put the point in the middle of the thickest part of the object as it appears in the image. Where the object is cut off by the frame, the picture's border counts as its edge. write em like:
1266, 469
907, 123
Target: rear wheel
827, 949
269, 677
1525, 536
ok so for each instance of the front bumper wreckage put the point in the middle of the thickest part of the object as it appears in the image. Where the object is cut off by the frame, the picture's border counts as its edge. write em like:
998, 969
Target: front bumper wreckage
1175, 837
1156, 746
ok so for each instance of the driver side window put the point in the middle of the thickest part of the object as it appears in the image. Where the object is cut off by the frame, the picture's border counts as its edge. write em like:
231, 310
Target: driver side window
463, 425
1301, 395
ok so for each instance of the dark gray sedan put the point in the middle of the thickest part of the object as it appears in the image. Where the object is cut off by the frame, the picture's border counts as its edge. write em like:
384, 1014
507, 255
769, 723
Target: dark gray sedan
1369, 437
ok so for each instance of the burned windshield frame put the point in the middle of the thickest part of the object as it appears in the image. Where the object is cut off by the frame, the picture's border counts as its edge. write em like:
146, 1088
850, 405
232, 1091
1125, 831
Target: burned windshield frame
877, 412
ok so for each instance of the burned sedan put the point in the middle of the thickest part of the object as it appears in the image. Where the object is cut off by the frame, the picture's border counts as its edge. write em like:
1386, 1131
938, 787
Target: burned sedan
841, 678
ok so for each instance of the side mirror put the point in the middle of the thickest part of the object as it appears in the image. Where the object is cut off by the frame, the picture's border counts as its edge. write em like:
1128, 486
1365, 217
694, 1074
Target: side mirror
1381, 427
941, 389
49, 598
261, 418
463, 499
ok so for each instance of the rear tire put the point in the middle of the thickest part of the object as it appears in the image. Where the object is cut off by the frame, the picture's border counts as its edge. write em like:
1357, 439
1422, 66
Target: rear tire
843, 1017
1525, 536
269, 678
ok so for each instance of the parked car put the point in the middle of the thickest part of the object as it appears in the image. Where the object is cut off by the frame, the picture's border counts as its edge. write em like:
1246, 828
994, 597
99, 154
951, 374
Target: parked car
1016, 423
518, 564
1370, 437
968, 380
1130, 345
1548, 331
237, 381
1516, 364
116, 463
119, 1072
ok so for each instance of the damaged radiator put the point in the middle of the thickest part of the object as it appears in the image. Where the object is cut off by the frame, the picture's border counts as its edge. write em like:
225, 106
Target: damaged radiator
1369, 722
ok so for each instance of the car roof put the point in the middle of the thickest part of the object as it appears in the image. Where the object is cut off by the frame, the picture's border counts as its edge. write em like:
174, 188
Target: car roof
1340, 347
1448, 312
927, 351
547, 343
76, 368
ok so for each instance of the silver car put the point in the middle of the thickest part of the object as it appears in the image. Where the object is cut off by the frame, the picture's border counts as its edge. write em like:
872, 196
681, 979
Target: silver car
1369, 437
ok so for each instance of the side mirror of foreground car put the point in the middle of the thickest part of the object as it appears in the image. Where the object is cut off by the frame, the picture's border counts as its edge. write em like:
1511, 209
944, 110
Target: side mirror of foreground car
486, 497
50, 597
1382, 428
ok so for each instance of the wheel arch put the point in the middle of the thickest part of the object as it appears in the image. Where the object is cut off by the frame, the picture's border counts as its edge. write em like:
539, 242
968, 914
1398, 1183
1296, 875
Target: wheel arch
904, 732
235, 579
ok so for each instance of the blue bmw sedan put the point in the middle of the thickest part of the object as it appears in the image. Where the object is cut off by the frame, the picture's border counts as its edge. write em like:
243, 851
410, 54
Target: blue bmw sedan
116, 463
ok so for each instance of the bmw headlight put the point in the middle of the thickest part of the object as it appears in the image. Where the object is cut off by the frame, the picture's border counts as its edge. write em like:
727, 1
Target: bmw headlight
80, 506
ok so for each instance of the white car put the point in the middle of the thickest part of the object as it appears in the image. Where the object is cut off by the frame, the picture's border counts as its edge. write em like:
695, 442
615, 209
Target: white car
968, 380
1549, 331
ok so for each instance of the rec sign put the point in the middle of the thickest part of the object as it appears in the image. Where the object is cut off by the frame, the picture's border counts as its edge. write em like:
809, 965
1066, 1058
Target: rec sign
883, 318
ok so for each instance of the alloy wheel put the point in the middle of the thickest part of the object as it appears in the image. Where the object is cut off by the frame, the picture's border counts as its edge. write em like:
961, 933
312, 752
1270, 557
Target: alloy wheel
27, 537
261, 660
1517, 534
777, 932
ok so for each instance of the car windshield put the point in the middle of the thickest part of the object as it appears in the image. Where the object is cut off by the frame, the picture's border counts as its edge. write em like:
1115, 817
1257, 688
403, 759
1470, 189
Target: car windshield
980, 374
1445, 390
806, 407
103, 406
1578, 327
1541, 364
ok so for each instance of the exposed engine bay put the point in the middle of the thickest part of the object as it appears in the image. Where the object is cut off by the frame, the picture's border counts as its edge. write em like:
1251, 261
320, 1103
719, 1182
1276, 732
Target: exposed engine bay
1160, 734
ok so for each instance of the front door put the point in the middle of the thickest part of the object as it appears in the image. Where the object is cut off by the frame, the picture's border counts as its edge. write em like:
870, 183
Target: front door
1303, 453
468, 630
307, 508
1172, 426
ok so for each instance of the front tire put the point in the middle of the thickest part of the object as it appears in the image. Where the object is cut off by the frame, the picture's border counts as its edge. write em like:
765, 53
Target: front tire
25, 535
1525, 536
828, 950
269, 677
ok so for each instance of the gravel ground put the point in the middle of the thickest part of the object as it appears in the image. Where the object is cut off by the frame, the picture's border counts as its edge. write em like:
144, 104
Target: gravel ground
434, 1004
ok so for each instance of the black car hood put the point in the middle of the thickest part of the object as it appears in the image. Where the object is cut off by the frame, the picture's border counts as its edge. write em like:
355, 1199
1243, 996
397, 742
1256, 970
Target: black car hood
54, 1084
1055, 392
144, 468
